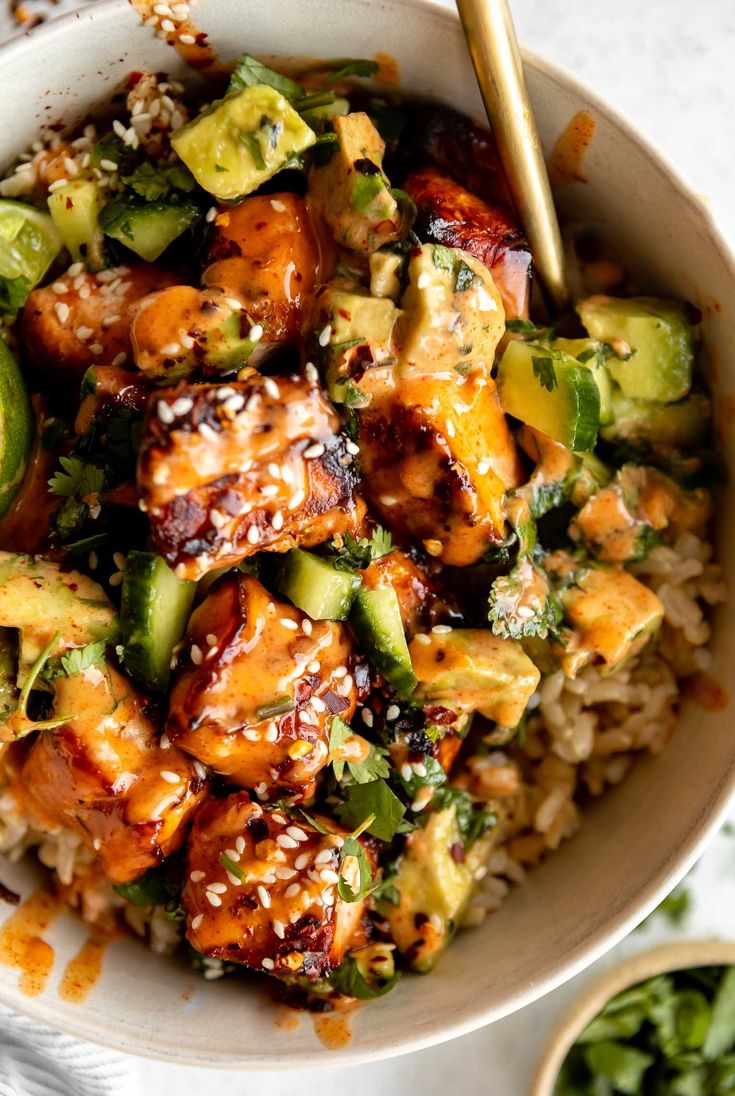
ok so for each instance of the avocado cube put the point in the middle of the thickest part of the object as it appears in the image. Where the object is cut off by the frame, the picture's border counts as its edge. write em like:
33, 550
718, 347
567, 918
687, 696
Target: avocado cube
471, 669
74, 209
648, 425
242, 141
361, 333
653, 343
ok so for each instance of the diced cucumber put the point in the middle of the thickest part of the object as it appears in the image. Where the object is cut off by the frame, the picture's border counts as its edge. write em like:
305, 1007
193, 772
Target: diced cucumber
376, 621
16, 427
551, 391
147, 228
591, 354
316, 586
75, 209
241, 141
154, 610
29, 243
646, 424
316, 116
653, 343
8, 668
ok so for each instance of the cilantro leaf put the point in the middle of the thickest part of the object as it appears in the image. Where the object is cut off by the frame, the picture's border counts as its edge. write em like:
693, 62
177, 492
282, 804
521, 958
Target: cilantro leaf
252, 144
152, 181
353, 979
249, 72
473, 820
152, 889
359, 552
374, 798
543, 368
76, 478
14, 293
381, 543
81, 658
352, 66
339, 732
373, 767
522, 603
352, 847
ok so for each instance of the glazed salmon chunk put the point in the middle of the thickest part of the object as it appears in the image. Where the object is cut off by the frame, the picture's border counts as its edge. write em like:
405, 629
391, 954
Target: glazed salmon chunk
104, 774
261, 890
226, 471
257, 686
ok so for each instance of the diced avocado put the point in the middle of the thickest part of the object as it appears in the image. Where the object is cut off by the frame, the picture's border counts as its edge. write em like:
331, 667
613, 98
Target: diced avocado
154, 609
384, 274
147, 228
653, 343
470, 669
241, 141
592, 354
182, 330
316, 586
434, 889
646, 424
453, 317
29, 243
550, 391
40, 599
360, 347
612, 614
16, 427
351, 191
75, 209
376, 621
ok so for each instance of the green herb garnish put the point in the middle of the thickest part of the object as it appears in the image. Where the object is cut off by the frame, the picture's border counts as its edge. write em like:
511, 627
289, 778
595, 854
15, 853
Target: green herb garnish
281, 706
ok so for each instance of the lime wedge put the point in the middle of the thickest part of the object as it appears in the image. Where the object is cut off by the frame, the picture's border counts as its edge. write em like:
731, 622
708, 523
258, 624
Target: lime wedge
16, 427
29, 241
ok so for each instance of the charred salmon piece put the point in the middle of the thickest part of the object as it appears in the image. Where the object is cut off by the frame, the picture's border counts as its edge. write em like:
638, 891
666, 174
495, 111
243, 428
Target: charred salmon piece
104, 775
257, 687
63, 333
417, 597
437, 458
229, 470
265, 254
261, 890
451, 215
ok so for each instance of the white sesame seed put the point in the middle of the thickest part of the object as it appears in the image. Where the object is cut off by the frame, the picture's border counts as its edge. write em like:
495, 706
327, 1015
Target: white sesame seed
196, 921
441, 629
295, 501
62, 311
436, 922
367, 717
423, 280
196, 876
84, 333
255, 334
187, 39
314, 666
269, 491
352, 448
108, 165
200, 770
267, 964
196, 655
271, 734
217, 519
419, 769
278, 205
280, 929
84, 293
286, 622
171, 349
301, 861
118, 128
327, 896
119, 359
182, 406
423, 639
218, 888
116, 579
263, 895
93, 560
286, 842
406, 771
235, 402
272, 388
169, 777
251, 734
165, 413
168, 26
57, 185
96, 348
297, 833
213, 899
207, 431
328, 875
261, 790
285, 873
119, 560
325, 335
253, 534
292, 891
323, 857
392, 712
210, 214
277, 520
314, 451
307, 627
60, 288
339, 672
483, 467
318, 705
240, 844
211, 639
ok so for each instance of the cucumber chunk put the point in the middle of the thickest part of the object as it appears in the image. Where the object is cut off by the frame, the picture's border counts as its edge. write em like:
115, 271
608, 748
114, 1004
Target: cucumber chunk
154, 610
242, 141
376, 621
75, 209
591, 354
316, 586
16, 427
653, 343
147, 228
29, 243
551, 391
648, 425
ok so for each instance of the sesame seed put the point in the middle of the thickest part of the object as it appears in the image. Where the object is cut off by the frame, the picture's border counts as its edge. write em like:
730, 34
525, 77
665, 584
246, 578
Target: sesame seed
285, 873
286, 622
253, 534
207, 431
84, 333
388, 500
278, 817
367, 717
441, 629
96, 348
62, 311
277, 521
169, 777
314, 451
218, 888
328, 875
312, 373
196, 876
164, 742
423, 280
171, 349
392, 712
168, 26
323, 857
267, 964
84, 293
187, 39
255, 334
200, 770
352, 448
182, 406
420, 769
269, 490
210, 214
265, 898
165, 413
57, 185
251, 734
406, 771
286, 842
339, 672
423, 639
295, 501
60, 288
325, 335
213, 899
327, 896
278, 205
119, 560
235, 402
318, 705
272, 388
118, 128
271, 734
280, 929
108, 165
314, 666
116, 579
217, 519
307, 627
261, 790
119, 359
301, 861
297, 833
292, 891
240, 844
196, 921
196, 654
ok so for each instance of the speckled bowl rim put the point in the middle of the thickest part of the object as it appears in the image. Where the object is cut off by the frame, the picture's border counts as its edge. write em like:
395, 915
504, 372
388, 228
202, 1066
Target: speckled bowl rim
681, 955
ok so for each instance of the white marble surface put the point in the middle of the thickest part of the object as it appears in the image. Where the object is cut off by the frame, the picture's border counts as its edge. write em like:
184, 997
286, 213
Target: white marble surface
668, 65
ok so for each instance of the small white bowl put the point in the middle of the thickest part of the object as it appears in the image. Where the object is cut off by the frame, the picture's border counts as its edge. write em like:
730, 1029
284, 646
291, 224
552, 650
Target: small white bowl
642, 837
663, 960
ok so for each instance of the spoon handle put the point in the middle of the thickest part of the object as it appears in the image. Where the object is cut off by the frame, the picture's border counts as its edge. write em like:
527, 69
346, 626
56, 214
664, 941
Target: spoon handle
493, 47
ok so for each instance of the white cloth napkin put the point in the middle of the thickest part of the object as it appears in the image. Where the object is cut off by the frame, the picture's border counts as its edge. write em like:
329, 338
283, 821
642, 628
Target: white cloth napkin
36, 1061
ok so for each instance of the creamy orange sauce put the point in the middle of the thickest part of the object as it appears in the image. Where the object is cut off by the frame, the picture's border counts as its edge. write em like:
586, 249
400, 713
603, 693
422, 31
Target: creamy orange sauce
83, 971
705, 691
22, 945
565, 162
334, 1029
287, 1019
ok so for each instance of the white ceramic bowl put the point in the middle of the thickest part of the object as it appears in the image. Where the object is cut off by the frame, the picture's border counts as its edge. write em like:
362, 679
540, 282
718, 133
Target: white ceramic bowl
637, 842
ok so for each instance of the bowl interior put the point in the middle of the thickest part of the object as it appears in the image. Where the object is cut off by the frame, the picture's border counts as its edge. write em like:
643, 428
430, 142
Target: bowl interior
642, 837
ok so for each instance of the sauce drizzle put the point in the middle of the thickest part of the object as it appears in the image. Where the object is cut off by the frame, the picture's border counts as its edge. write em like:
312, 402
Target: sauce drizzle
22, 945
565, 162
83, 971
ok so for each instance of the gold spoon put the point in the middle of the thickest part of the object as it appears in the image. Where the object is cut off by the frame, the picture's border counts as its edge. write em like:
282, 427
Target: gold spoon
493, 47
